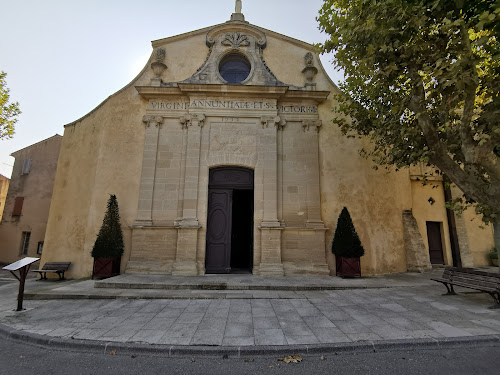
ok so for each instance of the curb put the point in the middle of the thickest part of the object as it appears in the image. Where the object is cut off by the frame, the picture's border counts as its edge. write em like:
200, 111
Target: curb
244, 351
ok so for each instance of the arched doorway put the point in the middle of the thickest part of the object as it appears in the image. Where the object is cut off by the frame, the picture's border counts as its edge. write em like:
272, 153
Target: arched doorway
229, 246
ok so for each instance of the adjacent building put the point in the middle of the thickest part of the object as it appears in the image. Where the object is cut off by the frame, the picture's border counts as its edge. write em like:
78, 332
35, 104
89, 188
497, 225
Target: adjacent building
223, 158
22, 229
4, 187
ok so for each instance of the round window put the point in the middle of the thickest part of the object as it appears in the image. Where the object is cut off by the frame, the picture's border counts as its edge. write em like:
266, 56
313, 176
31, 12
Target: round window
234, 68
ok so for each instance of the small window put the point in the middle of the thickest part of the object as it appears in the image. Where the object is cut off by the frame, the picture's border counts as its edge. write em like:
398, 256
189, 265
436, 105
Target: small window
18, 206
25, 243
234, 68
39, 248
26, 166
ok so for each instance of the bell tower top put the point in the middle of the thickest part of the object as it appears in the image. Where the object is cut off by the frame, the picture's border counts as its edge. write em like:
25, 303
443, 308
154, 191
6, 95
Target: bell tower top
237, 15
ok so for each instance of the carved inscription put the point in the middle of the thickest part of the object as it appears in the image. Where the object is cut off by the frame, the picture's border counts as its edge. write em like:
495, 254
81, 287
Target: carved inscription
232, 104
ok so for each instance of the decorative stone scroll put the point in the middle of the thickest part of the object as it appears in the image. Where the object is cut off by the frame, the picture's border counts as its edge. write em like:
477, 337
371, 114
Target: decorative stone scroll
152, 120
235, 40
306, 124
276, 120
189, 119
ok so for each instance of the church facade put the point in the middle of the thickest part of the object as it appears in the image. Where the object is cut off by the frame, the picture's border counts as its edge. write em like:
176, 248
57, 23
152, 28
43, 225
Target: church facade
223, 159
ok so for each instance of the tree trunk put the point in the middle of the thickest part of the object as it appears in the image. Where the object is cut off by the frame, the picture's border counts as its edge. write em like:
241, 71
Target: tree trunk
496, 230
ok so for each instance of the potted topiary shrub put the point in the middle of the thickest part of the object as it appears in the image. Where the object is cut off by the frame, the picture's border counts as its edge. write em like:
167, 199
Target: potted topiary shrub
493, 256
108, 246
347, 247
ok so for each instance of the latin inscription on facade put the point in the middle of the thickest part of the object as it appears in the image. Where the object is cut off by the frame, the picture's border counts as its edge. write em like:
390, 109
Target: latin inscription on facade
232, 104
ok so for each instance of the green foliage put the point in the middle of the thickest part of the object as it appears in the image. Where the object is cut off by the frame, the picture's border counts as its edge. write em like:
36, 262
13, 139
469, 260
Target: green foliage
492, 254
346, 242
109, 241
422, 81
8, 111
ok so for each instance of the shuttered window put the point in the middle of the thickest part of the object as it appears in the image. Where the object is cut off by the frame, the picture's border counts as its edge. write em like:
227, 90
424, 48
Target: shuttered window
25, 243
18, 206
26, 166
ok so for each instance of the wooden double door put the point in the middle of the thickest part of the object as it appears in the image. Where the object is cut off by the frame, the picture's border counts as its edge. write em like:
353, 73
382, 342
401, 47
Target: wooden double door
229, 239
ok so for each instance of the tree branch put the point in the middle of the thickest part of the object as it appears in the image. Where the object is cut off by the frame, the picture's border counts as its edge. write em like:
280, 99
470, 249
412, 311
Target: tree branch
467, 180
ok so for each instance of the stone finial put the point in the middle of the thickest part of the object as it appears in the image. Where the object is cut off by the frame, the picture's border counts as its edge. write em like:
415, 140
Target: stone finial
158, 67
160, 55
309, 71
152, 120
237, 6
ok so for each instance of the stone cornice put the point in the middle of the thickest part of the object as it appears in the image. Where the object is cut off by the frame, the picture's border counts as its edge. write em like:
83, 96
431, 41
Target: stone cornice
270, 92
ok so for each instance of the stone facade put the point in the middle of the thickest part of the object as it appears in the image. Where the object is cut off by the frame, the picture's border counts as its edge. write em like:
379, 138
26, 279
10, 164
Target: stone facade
231, 98
22, 229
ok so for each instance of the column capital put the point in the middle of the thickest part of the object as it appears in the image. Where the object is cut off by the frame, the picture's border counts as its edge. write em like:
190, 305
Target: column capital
152, 120
189, 119
278, 122
316, 124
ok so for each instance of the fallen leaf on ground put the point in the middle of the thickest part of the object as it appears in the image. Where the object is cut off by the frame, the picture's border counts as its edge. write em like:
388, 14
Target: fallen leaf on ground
323, 357
113, 352
292, 359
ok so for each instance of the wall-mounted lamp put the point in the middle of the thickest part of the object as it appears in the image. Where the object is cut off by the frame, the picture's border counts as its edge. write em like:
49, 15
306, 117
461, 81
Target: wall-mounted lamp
431, 201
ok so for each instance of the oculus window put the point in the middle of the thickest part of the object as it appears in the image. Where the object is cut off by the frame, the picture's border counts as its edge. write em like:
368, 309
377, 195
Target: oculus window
234, 68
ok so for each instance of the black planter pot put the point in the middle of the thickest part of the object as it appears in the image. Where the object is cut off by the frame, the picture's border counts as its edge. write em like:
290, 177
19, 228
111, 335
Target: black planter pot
106, 267
348, 267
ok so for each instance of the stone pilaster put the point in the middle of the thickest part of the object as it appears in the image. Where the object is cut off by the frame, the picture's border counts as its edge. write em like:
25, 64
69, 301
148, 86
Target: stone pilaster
145, 206
270, 227
311, 128
187, 237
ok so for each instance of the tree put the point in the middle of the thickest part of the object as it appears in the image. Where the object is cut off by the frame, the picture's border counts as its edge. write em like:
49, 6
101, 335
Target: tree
422, 81
8, 111
346, 241
109, 241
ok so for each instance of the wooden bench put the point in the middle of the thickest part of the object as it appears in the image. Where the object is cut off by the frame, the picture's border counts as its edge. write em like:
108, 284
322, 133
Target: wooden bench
53, 267
485, 282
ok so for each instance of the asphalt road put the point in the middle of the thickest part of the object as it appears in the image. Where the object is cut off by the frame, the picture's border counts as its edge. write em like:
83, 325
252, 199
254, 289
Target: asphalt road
21, 359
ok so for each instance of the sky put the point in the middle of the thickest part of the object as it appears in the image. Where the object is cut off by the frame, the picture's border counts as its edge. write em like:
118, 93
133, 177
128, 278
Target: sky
64, 57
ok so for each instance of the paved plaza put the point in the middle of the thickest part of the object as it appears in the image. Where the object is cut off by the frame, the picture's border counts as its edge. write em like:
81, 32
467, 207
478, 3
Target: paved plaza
243, 318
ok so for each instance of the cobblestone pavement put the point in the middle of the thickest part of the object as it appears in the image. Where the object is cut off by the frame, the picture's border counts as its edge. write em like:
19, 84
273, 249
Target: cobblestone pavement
318, 317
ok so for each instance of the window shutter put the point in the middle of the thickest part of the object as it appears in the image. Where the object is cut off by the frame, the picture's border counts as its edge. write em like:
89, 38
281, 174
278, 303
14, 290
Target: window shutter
18, 206
26, 166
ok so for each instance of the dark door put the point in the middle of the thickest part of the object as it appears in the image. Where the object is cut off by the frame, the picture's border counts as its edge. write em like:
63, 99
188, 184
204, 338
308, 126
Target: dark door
242, 232
218, 231
229, 243
435, 242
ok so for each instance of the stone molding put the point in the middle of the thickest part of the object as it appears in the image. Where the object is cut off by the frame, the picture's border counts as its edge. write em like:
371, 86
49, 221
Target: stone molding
152, 120
316, 124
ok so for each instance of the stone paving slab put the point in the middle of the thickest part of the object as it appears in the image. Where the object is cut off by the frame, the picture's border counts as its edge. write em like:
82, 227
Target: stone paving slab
407, 309
334, 317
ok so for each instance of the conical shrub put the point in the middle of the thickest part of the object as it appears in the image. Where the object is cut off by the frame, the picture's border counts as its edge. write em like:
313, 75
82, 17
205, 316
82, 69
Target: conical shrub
109, 241
346, 242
